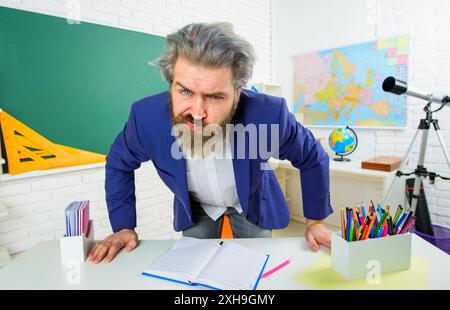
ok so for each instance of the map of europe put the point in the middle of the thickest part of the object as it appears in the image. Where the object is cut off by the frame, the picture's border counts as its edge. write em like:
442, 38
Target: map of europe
342, 86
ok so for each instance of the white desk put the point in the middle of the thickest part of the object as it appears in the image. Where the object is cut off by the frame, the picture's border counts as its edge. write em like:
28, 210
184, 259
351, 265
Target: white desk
40, 267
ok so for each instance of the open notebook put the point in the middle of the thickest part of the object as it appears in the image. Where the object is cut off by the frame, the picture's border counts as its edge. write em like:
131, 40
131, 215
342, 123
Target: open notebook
224, 265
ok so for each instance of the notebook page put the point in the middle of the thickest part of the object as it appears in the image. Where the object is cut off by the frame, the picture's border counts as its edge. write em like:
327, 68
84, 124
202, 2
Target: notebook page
233, 267
69, 220
184, 260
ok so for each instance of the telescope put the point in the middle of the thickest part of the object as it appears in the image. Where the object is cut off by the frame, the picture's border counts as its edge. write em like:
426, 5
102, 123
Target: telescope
399, 87
417, 197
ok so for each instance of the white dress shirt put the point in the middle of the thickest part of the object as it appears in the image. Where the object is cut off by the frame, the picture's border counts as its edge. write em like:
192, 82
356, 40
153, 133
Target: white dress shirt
211, 182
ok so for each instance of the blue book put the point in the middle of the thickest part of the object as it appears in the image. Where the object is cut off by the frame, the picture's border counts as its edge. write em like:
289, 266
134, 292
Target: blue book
214, 265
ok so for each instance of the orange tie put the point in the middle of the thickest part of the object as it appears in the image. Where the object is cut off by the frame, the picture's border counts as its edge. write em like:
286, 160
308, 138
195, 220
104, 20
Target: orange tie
227, 232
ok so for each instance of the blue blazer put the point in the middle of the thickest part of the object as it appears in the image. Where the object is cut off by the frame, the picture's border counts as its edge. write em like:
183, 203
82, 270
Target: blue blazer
147, 136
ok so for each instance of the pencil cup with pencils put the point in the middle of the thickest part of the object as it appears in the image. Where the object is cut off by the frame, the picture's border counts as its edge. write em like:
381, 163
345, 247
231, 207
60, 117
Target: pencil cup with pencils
370, 241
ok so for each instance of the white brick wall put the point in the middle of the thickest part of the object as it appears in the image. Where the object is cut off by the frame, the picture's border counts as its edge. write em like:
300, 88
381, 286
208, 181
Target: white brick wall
35, 205
357, 21
428, 25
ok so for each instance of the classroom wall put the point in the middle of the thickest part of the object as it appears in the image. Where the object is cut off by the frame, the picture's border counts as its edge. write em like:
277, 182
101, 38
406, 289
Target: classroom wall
35, 205
304, 26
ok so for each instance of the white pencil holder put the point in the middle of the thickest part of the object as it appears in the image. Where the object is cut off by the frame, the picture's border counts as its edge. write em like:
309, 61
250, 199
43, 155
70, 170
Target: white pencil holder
75, 249
355, 259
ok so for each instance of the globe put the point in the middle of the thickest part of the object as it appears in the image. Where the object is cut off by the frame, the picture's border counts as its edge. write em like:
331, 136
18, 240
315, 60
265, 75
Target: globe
343, 141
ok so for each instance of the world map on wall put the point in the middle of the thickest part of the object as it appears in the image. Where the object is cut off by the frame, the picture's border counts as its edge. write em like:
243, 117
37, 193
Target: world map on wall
343, 86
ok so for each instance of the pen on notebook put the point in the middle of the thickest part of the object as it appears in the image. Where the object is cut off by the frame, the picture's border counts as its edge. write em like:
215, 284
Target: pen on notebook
276, 268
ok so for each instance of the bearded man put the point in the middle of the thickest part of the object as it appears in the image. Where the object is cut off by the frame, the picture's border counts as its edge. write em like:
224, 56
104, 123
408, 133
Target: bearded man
209, 140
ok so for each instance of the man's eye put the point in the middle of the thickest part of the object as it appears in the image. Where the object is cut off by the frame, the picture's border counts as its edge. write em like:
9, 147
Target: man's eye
185, 92
217, 97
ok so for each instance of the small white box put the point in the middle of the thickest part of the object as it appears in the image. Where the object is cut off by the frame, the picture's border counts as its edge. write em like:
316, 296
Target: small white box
75, 249
355, 259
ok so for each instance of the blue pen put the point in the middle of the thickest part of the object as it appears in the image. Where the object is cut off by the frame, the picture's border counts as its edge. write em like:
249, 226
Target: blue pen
380, 232
380, 212
400, 221
363, 211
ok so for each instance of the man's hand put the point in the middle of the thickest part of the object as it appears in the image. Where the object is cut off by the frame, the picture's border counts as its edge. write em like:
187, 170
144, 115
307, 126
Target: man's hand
111, 246
317, 234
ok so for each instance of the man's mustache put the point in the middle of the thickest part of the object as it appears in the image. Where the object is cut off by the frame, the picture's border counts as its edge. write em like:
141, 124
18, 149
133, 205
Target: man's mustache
188, 118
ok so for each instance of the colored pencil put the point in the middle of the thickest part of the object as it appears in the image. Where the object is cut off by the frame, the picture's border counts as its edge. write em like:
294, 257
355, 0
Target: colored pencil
356, 224
380, 211
410, 224
397, 226
351, 228
343, 222
390, 226
388, 208
369, 228
398, 216
349, 223
359, 217
410, 213
381, 223
380, 232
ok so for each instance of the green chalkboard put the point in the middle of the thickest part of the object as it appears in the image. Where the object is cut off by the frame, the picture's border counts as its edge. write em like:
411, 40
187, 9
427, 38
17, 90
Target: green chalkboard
74, 84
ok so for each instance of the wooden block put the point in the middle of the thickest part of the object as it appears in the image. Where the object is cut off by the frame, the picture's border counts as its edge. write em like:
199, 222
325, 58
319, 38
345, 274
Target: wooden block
382, 163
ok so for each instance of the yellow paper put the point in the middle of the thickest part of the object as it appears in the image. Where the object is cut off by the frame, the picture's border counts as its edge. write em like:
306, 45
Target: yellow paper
403, 41
321, 276
382, 44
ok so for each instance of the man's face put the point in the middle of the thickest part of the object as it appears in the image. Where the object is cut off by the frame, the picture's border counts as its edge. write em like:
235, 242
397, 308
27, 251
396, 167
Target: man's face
202, 96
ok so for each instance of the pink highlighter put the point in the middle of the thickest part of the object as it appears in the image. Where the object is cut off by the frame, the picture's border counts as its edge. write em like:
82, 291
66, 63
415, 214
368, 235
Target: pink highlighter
275, 269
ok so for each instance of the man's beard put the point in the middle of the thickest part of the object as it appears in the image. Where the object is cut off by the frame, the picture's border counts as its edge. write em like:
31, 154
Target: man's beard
206, 141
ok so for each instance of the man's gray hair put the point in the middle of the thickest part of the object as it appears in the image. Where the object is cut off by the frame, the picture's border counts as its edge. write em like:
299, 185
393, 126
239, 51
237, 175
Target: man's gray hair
210, 45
